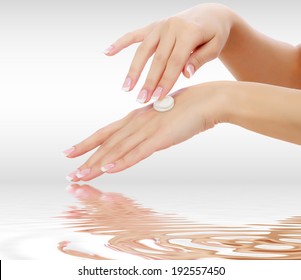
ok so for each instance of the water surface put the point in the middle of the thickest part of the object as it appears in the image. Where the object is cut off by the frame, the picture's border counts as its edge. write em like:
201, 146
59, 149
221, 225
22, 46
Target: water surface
87, 223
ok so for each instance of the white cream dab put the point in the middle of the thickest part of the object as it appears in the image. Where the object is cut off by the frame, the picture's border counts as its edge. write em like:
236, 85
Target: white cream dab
164, 104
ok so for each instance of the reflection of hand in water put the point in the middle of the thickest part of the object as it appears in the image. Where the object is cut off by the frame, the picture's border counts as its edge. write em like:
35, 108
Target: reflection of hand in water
112, 214
113, 209
142, 232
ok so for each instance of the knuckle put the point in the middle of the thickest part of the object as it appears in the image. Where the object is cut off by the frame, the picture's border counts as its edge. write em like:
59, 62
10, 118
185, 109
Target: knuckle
143, 47
176, 61
133, 114
134, 155
118, 151
173, 21
199, 60
99, 132
132, 36
159, 57
215, 50
80, 147
167, 80
138, 116
106, 148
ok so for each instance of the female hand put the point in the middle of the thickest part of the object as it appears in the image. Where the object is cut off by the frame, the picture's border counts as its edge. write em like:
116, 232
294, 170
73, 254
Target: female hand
182, 43
145, 131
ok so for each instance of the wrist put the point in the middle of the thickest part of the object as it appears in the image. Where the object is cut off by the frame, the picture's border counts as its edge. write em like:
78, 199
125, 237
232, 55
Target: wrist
236, 30
266, 109
219, 100
233, 100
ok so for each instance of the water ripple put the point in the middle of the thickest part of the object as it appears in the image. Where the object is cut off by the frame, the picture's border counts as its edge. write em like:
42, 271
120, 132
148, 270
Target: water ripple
121, 225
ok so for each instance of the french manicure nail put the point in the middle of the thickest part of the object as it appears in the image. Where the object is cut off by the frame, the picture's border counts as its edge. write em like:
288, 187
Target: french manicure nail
142, 96
127, 84
82, 173
107, 167
190, 70
68, 151
157, 93
71, 176
108, 50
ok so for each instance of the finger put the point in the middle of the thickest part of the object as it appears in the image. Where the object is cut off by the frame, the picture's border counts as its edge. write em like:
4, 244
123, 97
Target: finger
142, 55
102, 159
175, 65
129, 39
99, 136
95, 139
200, 56
107, 161
137, 154
163, 51
114, 146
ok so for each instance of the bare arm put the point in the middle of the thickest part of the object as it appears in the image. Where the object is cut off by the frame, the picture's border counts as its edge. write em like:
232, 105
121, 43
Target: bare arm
253, 56
269, 110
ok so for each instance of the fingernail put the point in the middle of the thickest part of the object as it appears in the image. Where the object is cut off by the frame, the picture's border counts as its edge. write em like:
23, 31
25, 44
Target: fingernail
108, 50
68, 151
71, 176
157, 93
142, 96
82, 173
107, 167
127, 84
190, 70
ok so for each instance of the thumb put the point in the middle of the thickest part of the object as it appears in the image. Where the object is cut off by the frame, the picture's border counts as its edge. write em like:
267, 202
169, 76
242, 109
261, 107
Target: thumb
200, 56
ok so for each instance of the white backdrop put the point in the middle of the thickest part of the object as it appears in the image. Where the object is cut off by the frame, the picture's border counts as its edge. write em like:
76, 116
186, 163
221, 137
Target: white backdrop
57, 88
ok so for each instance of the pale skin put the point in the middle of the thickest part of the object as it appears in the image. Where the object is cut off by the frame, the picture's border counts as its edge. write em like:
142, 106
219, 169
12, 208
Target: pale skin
265, 99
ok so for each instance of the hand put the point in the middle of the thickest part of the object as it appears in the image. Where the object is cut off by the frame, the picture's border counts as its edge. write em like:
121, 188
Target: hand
145, 131
182, 43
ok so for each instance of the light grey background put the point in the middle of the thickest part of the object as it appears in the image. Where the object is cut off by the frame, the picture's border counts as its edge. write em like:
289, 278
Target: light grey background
57, 88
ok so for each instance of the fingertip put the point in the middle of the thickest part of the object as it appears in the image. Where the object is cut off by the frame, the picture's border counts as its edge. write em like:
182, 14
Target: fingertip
74, 151
158, 93
91, 177
185, 73
109, 51
68, 152
90, 173
115, 169
127, 84
71, 176
190, 70
124, 163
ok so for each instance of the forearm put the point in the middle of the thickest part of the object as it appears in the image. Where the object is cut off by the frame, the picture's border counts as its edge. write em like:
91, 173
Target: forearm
269, 110
252, 56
